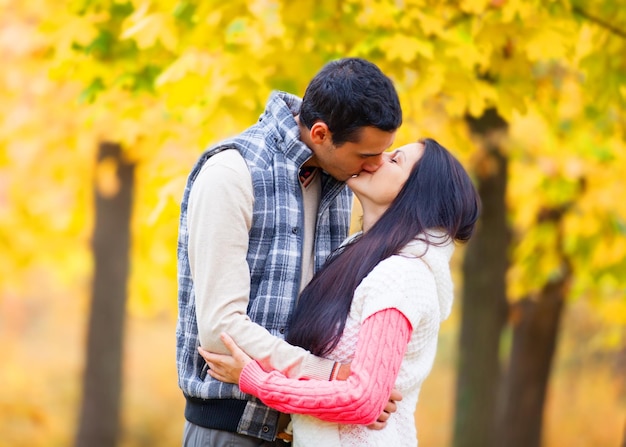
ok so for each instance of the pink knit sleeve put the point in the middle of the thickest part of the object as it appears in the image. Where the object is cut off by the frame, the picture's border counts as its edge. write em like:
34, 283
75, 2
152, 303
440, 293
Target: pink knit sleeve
361, 398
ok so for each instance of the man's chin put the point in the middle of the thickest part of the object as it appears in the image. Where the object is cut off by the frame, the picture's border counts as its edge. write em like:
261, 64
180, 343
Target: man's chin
342, 177
351, 179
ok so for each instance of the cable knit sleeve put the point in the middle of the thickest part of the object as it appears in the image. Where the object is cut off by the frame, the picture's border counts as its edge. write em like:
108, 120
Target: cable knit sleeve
360, 399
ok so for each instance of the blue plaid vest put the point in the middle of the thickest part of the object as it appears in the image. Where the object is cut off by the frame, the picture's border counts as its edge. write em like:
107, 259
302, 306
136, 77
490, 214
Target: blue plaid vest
274, 154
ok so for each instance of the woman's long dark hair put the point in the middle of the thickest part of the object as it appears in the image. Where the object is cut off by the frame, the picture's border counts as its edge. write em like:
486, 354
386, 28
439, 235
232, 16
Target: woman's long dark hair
437, 195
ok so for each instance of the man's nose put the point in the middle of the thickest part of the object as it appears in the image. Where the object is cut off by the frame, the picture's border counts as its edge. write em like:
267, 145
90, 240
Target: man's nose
373, 163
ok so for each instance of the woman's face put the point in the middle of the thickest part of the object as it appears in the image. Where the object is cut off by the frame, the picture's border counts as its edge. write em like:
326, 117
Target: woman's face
382, 186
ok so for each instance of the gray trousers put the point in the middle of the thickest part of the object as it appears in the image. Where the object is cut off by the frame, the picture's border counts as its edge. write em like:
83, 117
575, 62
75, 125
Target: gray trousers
196, 436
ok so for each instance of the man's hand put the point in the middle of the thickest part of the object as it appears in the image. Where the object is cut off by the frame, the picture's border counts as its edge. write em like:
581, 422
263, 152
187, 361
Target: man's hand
344, 372
391, 407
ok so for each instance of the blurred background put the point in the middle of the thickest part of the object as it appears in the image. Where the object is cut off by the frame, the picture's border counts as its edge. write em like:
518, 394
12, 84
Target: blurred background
106, 104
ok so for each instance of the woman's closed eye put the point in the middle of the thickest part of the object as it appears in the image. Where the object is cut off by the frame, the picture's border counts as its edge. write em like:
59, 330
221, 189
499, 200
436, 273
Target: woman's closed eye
396, 156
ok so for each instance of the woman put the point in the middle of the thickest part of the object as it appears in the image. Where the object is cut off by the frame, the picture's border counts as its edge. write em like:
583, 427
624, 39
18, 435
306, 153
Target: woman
378, 305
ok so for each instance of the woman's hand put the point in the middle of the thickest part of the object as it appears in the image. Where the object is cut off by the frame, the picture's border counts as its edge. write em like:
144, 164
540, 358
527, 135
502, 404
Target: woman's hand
226, 368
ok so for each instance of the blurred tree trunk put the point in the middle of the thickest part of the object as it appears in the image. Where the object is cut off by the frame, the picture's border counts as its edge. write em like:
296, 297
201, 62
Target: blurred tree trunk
484, 305
535, 328
536, 321
100, 410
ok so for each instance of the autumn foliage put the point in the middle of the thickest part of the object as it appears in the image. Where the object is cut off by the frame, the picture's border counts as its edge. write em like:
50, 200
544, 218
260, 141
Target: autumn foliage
165, 78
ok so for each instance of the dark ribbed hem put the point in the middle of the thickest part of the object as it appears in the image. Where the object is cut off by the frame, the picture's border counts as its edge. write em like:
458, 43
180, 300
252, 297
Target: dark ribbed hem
217, 414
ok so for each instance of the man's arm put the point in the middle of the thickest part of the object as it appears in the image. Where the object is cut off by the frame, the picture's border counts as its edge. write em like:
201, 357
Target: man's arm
219, 221
360, 399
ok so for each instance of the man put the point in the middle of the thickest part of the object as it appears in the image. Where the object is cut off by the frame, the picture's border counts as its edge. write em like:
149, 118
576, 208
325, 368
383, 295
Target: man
260, 213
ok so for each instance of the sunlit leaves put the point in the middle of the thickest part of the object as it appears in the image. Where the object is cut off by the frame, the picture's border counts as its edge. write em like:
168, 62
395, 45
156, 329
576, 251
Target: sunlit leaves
577, 170
474, 6
149, 29
166, 77
406, 48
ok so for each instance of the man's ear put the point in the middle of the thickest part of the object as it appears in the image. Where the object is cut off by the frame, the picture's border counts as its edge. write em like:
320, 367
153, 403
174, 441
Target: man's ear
320, 133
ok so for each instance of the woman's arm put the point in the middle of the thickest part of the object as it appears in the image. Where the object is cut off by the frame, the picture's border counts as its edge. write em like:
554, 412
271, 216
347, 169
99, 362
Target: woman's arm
360, 399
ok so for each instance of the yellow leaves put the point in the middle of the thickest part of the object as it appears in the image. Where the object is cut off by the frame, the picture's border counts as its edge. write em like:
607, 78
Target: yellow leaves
213, 70
584, 45
149, 28
474, 6
535, 260
613, 311
266, 12
464, 93
524, 184
169, 193
406, 48
511, 104
512, 9
609, 251
579, 167
545, 43
192, 61
197, 77
253, 33
466, 54
61, 29
42, 165
378, 14
431, 22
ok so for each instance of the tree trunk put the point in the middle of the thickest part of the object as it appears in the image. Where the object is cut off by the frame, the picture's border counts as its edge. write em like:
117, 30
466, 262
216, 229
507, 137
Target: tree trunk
535, 329
100, 410
536, 321
484, 305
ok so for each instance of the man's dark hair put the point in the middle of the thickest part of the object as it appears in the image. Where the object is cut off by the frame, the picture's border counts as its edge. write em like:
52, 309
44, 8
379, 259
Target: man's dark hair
349, 94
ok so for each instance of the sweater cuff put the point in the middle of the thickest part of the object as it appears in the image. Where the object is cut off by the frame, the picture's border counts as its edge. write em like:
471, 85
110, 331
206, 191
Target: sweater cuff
317, 368
250, 377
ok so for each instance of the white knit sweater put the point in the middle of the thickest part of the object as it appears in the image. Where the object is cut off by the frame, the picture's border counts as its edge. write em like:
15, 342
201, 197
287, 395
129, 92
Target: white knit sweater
421, 288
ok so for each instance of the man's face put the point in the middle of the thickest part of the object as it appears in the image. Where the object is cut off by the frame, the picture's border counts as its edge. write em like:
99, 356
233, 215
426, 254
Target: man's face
351, 158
